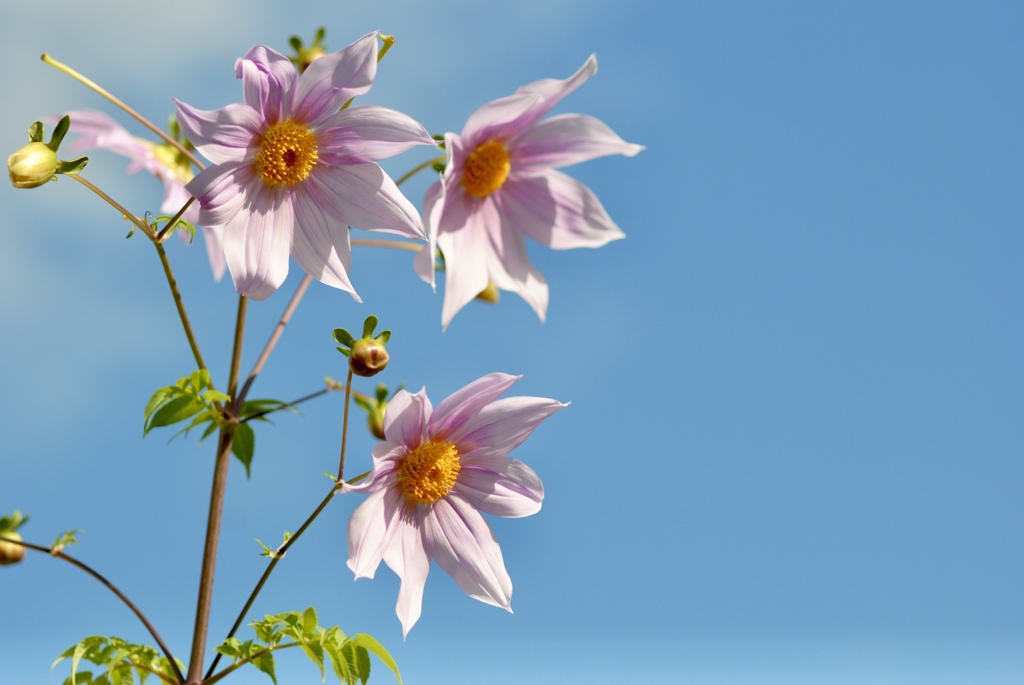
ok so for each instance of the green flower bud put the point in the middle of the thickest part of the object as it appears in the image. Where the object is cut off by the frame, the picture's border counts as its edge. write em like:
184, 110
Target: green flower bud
375, 422
32, 165
11, 552
368, 357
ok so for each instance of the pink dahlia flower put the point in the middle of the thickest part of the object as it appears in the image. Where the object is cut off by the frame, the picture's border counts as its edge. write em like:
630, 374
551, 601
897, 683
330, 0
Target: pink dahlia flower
432, 476
291, 173
500, 186
96, 130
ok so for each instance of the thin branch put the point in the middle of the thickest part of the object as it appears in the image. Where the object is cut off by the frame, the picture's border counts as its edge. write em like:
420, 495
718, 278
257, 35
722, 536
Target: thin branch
138, 117
113, 203
164, 234
180, 305
113, 588
344, 423
274, 337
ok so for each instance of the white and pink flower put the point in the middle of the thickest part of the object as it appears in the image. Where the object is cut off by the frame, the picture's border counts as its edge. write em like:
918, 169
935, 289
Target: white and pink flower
436, 470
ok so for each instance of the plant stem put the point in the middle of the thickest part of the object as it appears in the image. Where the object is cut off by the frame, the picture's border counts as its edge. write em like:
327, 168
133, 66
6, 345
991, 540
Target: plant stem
416, 169
162, 236
113, 203
138, 117
113, 588
274, 337
180, 305
304, 398
344, 424
278, 555
220, 476
393, 244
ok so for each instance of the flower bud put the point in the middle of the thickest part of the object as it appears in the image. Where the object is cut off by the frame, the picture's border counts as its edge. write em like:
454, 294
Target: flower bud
11, 552
368, 357
375, 422
32, 165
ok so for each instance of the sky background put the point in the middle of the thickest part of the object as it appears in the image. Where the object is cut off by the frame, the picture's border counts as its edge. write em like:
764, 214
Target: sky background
795, 450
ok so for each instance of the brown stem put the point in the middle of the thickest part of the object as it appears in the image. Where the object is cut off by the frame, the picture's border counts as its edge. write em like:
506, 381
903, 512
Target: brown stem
274, 337
113, 588
344, 424
220, 477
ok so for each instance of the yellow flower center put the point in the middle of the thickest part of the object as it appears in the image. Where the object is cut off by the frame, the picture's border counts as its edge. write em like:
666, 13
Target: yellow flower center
287, 154
486, 169
429, 472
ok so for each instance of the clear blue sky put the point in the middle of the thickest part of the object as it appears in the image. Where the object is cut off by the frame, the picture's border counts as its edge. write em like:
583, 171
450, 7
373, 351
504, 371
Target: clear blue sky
795, 451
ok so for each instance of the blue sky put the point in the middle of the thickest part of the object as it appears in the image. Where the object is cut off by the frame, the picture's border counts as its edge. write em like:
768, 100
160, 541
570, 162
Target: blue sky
794, 450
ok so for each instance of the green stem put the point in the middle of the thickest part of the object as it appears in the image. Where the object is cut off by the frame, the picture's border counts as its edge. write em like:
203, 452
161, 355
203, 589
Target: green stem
138, 117
220, 476
418, 168
162, 235
110, 586
344, 424
305, 398
180, 305
113, 203
393, 244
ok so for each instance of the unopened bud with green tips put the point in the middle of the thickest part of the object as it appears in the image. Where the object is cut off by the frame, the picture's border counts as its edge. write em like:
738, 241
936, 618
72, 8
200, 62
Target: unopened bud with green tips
37, 163
10, 551
367, 356
32, 165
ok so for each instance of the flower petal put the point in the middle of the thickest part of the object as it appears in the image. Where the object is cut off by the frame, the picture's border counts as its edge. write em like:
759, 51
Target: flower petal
433, 207
406, 417
502, 425
98, 130
408, 557
553, 90
462, 543
558, 211
462, 237
368, 133
334, 79
321, 245
363, 196
509, 268
220, 192
459, 409
267, 79
500, 486
221, 135
564, 140
504, 118
370, 530
257, 242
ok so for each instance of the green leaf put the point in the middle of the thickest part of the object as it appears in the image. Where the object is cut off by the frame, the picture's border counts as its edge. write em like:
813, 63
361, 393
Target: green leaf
243, 445
265, 662
178, 409
309, 625
369, 643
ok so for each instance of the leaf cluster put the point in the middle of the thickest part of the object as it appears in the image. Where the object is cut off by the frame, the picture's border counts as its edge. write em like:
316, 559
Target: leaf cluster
121, 660
349, 655
194, 399
11, 524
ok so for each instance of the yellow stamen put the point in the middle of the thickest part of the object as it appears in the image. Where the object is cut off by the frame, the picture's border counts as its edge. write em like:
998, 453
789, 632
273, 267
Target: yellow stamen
429, 472
287, 154
486, 169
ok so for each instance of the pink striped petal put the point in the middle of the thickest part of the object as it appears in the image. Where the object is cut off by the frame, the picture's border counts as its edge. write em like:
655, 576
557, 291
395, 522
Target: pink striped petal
459, 409
564, 140
500, 486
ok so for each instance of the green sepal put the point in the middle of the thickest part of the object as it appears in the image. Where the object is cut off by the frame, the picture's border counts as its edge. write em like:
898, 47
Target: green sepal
59, 131
369, 325
73, 167
345, 351
35, 132
344, 337
383, 337
11, 524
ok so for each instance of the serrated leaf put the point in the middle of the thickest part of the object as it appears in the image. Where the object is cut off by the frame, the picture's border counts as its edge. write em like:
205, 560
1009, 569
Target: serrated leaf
371, 644
176, 410
309, 625
265, 662
243, 445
